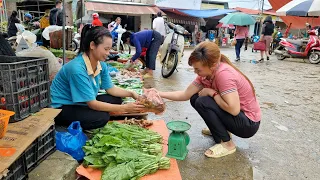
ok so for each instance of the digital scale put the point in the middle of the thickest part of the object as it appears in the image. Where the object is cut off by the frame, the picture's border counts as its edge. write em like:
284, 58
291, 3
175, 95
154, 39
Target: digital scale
178, 139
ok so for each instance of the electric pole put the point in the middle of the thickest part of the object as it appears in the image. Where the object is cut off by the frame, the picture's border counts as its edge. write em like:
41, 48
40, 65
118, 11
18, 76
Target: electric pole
261, 15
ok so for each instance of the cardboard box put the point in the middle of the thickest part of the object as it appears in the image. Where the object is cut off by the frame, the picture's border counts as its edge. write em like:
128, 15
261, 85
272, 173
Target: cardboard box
20, 135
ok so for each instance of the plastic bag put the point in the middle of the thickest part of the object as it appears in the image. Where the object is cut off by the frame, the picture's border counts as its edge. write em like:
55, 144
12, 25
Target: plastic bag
54, 65
50, 29
152, 101
71, 142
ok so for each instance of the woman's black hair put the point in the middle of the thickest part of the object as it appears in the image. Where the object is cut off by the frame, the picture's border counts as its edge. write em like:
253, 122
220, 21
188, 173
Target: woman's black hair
125, 36
14, 14
92, 34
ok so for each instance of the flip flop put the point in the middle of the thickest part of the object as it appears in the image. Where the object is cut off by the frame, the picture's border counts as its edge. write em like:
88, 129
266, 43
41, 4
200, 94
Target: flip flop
218, 151
206, 131
147, 76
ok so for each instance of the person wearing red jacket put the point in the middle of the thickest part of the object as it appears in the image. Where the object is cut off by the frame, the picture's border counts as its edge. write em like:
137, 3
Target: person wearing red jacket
96, 21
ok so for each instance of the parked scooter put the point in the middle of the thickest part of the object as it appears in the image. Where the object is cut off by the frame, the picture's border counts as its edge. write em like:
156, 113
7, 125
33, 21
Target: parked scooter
300, 48
172, 49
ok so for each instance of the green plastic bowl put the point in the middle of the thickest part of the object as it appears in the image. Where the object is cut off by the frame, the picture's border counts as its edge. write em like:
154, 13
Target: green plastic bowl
178, 126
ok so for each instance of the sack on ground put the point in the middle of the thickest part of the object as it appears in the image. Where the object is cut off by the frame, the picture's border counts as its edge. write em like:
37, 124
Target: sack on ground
71, 142
152, 101
53, 62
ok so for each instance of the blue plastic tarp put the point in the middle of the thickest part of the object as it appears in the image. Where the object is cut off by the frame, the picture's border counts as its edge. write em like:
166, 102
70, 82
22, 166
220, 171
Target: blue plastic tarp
206, 13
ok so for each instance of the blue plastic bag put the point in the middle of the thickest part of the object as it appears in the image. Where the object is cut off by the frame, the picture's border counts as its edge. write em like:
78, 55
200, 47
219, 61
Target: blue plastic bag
71, 142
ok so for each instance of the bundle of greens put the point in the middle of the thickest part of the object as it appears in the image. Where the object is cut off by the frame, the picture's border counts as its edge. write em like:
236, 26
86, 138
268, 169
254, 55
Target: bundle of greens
125, 152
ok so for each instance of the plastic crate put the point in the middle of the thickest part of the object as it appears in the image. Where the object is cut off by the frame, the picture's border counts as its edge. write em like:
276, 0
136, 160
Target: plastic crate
24, 85
38, 151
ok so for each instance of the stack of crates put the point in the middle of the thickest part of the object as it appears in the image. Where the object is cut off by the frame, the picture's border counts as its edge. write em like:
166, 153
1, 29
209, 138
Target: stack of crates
24, 85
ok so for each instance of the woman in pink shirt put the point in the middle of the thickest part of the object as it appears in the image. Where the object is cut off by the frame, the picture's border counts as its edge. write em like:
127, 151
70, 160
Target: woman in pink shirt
241, 34
223, 96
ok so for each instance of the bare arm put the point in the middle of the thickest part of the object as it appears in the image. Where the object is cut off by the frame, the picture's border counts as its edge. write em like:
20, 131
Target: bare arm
229, 102
117, 92
181, 95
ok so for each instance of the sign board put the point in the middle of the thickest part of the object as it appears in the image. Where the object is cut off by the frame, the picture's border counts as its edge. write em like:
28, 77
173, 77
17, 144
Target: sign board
179, 4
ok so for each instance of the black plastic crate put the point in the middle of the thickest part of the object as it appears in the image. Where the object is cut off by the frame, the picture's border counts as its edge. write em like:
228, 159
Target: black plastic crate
18, 170
24, 85
38, 151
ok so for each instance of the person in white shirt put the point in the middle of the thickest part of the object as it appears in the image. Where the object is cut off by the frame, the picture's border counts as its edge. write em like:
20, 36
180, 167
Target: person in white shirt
113, 26
158, 25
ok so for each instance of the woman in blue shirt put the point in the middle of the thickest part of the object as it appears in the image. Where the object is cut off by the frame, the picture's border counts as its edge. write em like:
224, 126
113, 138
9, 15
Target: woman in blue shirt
75, 87
149, 39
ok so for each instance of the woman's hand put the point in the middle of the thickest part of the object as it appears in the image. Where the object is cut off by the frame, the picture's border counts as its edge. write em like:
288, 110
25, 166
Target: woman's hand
135, 95
133, 108
206, 92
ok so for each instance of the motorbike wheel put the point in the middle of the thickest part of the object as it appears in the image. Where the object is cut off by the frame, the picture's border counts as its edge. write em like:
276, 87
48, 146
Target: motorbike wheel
125, 49
168, 67
314, 57
75, 45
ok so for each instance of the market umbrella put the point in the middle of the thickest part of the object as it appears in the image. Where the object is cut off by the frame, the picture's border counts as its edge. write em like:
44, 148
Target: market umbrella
303, 8
222, 25
238, 19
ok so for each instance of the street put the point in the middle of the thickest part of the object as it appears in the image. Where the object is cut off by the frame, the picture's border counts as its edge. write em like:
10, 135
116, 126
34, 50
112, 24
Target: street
287, 144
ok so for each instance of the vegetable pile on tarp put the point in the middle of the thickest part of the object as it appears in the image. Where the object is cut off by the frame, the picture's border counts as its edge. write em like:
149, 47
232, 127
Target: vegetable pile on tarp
152, 101
125, 152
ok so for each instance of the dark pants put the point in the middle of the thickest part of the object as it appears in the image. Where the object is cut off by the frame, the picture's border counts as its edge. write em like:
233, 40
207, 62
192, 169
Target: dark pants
238, 47
153, 50
89, 118
220, 121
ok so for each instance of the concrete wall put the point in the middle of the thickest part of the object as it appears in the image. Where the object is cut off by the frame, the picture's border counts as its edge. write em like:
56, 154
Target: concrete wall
146, 21
11, 6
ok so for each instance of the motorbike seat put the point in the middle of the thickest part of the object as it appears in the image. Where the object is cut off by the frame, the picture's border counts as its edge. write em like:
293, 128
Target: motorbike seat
298, 42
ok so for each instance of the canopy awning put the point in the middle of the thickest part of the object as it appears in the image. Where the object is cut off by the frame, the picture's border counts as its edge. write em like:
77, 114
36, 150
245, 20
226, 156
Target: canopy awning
297, 22
182, 19
110, 8
207, 13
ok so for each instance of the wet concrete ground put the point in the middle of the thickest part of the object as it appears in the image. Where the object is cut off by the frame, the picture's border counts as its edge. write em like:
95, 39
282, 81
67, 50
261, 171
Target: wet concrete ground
287, 145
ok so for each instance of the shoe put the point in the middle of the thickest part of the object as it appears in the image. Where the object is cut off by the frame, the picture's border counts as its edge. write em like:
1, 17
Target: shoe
238, 59
268, 58
206, 131
261, 60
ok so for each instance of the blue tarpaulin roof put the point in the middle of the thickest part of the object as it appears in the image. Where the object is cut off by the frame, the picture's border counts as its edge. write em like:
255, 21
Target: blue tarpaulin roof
206, 13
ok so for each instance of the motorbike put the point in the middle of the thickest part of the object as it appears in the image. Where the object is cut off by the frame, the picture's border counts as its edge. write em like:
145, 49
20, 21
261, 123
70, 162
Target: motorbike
118, 45
275, 43
172, 49
300, 48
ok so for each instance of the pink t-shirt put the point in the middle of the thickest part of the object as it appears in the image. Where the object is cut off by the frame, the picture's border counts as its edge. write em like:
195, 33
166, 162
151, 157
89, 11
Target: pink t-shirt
241, 32
227, 80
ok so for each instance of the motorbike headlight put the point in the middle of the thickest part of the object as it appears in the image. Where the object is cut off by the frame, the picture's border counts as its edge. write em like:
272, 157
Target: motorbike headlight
180, 29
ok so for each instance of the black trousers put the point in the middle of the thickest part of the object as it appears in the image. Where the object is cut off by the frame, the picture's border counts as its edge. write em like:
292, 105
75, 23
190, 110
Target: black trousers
153, 49
89, 118
220, 121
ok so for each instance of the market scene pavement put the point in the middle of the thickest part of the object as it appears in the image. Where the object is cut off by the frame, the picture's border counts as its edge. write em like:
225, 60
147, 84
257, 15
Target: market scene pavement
287, 143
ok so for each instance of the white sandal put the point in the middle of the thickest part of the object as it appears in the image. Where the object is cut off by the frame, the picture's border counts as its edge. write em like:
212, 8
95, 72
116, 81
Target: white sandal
218, 151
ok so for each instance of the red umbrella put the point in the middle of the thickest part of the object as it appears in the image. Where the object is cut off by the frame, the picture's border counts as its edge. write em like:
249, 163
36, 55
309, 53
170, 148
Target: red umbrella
222, 25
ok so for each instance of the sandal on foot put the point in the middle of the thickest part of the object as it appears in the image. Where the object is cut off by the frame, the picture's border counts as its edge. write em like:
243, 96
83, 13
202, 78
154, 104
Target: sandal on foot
206, 131
147, 76
218, 151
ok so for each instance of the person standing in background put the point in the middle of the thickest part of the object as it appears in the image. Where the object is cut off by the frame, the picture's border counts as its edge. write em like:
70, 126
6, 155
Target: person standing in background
56, 15
44, 21
241, 34
12, 29
158, 25
266, 35
96, 21
113, 26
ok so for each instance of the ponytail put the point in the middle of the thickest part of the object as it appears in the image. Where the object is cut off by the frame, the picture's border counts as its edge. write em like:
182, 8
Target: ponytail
90, 34
225, 59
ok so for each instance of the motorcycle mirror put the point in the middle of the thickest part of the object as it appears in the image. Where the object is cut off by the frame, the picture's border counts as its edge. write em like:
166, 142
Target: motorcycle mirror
125, 26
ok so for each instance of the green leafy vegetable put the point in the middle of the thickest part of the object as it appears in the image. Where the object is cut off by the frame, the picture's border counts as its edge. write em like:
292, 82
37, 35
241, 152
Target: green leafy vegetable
125, 152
